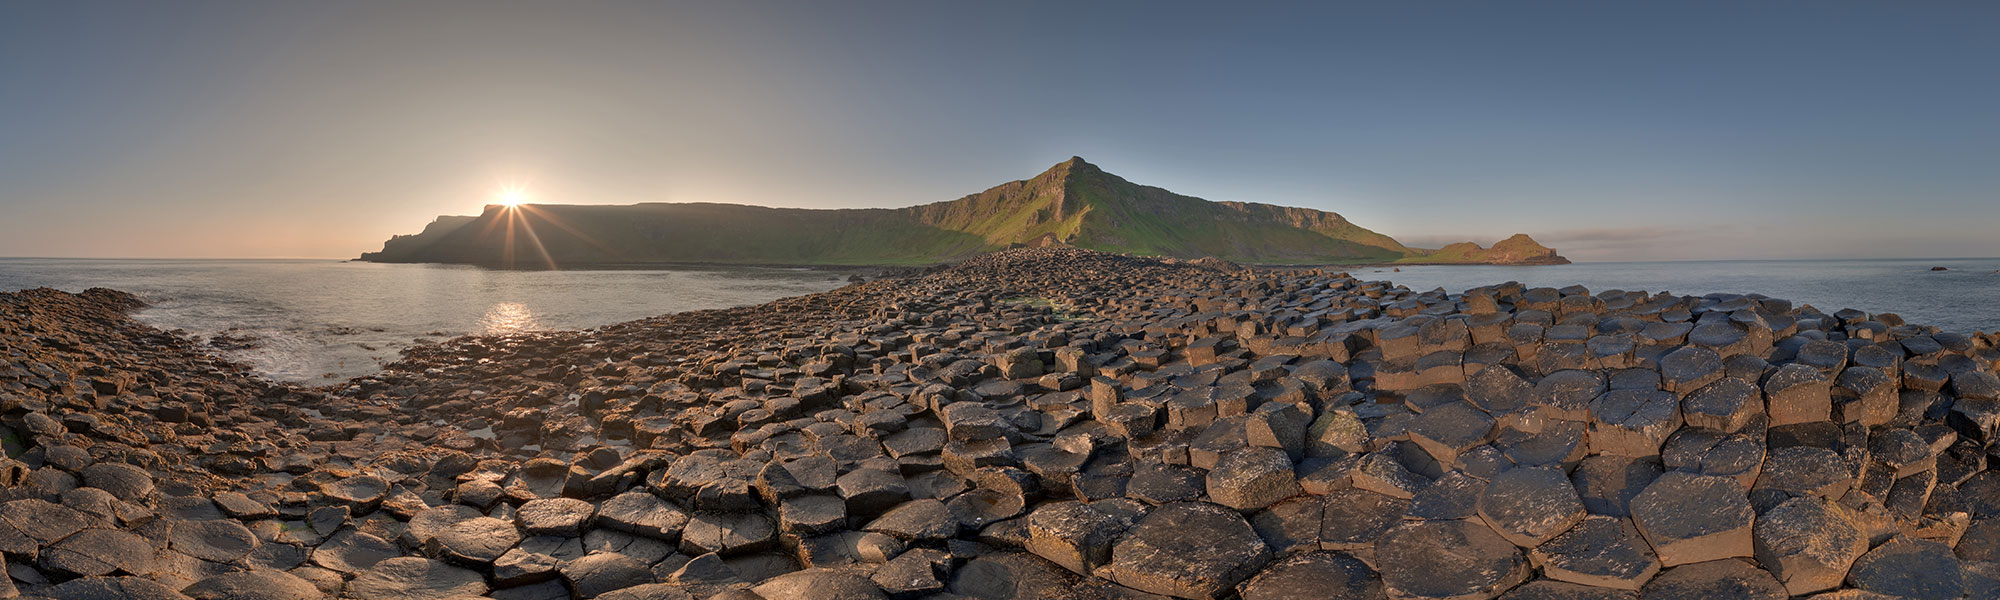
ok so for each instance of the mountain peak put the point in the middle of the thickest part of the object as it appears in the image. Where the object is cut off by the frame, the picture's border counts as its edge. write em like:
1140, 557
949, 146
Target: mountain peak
1074, 166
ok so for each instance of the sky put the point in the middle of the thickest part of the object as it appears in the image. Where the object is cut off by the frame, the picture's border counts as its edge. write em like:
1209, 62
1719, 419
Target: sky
1609, 130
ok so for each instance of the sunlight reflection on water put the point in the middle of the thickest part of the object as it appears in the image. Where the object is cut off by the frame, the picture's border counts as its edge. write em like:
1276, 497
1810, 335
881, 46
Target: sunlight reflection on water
508, 317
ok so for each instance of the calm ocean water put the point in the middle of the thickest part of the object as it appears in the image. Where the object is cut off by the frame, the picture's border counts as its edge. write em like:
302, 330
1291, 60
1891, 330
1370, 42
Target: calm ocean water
322, 321
1965, 298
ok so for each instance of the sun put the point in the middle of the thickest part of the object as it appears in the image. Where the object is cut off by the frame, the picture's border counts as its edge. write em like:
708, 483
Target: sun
512, 195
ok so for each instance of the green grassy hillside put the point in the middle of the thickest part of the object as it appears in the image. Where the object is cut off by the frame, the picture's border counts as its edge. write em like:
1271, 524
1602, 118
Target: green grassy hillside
1073, 202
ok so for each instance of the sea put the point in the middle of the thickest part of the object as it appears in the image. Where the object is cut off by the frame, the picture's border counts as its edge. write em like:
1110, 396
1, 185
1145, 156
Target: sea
1964, 298
321, 322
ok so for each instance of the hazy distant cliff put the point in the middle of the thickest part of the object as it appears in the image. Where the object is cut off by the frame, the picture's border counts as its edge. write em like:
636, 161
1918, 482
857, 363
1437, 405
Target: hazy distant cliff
1073, 203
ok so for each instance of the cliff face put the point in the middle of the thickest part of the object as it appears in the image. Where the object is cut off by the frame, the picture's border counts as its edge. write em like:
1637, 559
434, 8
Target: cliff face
1074, 203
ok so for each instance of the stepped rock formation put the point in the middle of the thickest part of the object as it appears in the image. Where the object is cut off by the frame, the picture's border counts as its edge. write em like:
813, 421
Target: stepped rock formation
1033, 423
1073, 203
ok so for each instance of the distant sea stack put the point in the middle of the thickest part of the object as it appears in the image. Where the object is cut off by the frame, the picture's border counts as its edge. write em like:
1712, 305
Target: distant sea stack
1073, 203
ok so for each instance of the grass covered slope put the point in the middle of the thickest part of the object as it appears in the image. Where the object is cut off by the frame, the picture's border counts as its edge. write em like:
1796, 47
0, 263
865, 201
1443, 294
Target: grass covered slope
1073, 203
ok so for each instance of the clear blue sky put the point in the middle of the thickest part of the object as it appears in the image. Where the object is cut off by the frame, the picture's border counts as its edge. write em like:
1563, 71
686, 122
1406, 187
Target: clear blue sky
1610, 130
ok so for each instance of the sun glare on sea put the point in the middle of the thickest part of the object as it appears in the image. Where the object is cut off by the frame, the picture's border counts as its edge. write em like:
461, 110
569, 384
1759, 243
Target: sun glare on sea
512, 195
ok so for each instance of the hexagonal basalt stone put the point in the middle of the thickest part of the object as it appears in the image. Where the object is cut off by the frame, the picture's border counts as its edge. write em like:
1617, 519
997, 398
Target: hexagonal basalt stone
1797, 393
1550, 589
352, 551
30, 523
641, 512
1808, 544
1727, 405
1633, 422
1079, 535
95, 552
1448, 560
1559, 443
1355, 518
1381, 473
1907, 567
1449, 430
555, 516
1454, 496
411, 578
1566, 395
1713, 580
1713, 452
1607, 483
1315, 576
125, 481
921, 520
1529, 506
1689, 368
1188, 550
1600, 551
812, 514
1497, 390
1694, 518
214, 540
1252, 478
870, 492
596, 574
728, 533
475, 542
360, 491
1794, 471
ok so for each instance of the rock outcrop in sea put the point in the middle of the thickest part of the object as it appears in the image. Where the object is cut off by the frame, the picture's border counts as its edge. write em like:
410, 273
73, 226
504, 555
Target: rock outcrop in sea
1033, 423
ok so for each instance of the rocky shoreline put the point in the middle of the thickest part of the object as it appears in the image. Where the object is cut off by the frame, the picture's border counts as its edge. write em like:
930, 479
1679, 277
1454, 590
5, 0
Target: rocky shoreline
1033, 423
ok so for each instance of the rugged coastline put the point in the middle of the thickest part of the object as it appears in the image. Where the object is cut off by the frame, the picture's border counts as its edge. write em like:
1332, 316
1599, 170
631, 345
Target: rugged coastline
1032, 423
